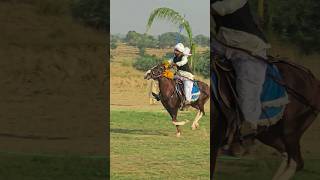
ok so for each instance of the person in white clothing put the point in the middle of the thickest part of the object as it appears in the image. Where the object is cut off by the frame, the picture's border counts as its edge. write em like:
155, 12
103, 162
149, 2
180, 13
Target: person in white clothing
188, 77
180, 60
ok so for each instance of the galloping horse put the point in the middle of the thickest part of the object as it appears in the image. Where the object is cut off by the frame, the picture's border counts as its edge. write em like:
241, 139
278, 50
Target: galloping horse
303, 90
171, 100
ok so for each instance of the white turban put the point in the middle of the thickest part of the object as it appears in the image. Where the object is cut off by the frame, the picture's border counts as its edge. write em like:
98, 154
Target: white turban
179, 47
186, 51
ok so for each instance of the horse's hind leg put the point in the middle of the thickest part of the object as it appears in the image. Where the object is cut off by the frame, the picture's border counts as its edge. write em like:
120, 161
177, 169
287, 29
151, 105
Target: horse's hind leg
290, 149
195, 123
292, 141
292, 163
271, 138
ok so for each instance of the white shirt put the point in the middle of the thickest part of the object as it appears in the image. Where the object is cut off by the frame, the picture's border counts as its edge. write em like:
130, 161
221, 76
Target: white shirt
183, 61
228, 6
236, 38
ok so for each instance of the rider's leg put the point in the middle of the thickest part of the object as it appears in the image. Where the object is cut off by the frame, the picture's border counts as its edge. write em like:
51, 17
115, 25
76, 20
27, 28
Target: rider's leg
250, 74
187, 90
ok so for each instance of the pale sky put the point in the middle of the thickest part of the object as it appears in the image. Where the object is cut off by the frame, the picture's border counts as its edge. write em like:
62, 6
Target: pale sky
126, 15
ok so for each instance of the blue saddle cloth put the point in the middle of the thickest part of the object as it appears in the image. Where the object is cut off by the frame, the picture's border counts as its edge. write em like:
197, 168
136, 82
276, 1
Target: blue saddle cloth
195, 91
274, 96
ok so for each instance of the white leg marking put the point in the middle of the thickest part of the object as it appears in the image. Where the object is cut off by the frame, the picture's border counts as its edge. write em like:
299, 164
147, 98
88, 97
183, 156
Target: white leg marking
178, 134
181, 123
195, 123
282, 166
289, 171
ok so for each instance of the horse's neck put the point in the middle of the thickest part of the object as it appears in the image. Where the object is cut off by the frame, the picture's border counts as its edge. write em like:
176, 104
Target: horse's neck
165, 84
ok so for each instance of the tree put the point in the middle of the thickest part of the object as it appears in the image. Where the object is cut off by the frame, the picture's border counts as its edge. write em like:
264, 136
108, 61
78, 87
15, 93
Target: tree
298, 22
201, 40
168, 39
91, 12
294, 21
113, 44
132, 38
141, 41
175, 18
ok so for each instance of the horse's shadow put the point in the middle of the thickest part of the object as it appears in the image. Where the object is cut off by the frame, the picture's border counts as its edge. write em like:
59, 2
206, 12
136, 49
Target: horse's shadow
137, 132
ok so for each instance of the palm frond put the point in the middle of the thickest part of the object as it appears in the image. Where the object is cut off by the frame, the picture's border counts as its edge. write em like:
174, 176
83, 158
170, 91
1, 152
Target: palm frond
174, 17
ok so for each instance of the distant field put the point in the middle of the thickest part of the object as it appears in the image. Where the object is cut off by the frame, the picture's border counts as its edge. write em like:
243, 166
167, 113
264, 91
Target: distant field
144, 146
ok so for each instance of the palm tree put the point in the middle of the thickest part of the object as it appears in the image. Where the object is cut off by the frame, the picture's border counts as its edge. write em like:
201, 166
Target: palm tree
175, 18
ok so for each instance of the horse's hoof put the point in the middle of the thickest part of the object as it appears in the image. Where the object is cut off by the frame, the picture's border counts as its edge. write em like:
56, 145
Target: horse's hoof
178, 134
195, 126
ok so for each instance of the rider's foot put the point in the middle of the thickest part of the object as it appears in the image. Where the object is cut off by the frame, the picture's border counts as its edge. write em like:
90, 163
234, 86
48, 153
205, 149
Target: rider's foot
187, 103
249, 129
156, 96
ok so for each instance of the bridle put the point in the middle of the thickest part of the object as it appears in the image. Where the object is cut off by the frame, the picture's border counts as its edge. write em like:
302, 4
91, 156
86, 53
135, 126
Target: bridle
157, 72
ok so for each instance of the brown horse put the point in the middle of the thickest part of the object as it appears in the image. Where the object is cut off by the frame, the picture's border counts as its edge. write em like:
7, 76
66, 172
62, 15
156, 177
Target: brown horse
171, 100
303, 89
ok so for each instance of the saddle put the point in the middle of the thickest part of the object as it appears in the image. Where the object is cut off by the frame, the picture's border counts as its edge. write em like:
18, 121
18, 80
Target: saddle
223, 72
179, 90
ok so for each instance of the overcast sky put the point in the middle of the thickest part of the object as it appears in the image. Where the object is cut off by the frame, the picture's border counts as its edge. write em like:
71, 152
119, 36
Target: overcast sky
126, 15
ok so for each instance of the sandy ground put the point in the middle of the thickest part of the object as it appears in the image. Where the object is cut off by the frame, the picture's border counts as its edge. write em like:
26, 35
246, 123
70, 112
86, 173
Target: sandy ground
51, 73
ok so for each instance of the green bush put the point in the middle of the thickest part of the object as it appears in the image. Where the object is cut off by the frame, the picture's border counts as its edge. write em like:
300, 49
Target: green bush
113, 45
55, 8
146, 62
168, 55
202, 64
91, 12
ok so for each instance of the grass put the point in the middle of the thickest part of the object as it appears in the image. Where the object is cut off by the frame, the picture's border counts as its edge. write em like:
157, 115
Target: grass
144, 146
25, 166
262, 169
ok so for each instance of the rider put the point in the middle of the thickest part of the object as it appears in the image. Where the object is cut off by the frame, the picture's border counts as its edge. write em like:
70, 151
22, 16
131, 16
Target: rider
180, 60
239, 39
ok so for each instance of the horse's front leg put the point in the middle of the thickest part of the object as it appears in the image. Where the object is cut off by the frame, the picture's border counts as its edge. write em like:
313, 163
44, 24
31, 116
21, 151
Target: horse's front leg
195, 123
178, 134
173, 110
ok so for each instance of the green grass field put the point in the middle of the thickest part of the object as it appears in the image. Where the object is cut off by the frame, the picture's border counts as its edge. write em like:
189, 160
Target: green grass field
25, 166
262, 169
144, 146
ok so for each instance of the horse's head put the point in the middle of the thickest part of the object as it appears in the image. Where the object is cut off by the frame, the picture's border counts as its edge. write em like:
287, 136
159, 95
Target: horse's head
155, 72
